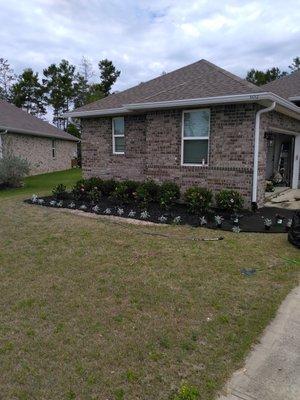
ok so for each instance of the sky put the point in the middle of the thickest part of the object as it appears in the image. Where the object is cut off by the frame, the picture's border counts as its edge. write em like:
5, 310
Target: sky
144, 38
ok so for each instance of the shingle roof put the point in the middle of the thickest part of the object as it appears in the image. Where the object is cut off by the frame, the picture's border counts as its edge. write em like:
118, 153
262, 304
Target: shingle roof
16, 120
198, 80
287, 86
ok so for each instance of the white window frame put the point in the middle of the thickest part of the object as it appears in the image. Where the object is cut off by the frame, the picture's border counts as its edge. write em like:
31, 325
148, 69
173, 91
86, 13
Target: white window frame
183, 138
53, 148
116, 136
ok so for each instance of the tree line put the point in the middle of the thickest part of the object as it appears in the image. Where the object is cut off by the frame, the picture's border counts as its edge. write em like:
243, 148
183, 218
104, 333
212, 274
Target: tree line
62, 87
259, 77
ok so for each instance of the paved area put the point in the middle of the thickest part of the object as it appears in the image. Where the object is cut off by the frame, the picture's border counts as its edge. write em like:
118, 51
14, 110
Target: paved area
289, 198
272, 370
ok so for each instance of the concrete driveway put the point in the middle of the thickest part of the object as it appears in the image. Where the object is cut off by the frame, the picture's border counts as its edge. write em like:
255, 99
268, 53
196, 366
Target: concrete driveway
272, 370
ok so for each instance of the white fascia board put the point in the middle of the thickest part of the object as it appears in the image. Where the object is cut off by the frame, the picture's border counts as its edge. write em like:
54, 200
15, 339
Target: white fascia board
95, 113
238, 98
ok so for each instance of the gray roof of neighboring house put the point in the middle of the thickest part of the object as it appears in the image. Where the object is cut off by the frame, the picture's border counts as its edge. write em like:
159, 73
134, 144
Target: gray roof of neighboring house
16, 120
288, 86
198, 80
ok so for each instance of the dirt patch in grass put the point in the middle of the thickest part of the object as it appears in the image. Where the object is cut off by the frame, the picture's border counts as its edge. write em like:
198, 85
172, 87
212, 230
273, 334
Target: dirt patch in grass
95, 310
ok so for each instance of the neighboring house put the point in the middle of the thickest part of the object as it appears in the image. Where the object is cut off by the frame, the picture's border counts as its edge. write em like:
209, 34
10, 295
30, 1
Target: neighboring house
45, 147
198, 125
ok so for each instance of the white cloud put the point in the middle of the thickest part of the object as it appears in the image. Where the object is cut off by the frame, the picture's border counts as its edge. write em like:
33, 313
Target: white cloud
146, 37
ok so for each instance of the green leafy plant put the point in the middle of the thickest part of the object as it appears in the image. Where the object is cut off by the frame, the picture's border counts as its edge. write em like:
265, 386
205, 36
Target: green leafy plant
60, 192
229, 200
198, 199
169, 194
147, 192
125, 191
94, 195
187, 392
12, 170
107, 187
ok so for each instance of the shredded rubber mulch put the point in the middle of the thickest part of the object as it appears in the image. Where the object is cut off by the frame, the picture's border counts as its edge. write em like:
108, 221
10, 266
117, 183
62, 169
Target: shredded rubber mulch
248, 221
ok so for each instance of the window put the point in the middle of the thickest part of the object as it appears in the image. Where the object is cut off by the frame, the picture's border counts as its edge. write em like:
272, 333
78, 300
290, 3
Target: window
195, 135
118, 135
53, 149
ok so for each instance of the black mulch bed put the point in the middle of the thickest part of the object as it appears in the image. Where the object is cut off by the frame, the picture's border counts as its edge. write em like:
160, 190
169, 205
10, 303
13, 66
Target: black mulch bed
248, 221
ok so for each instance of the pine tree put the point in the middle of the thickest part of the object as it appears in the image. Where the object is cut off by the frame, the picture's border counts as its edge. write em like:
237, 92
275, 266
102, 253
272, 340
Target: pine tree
59, 82
7, 77
28, 93
108, 75
295, 65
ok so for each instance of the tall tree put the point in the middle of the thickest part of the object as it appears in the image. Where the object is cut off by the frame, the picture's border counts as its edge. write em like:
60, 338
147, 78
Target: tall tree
108, 75
86, 69
28, 93
59, 81
295, 66
7, 77
262, 77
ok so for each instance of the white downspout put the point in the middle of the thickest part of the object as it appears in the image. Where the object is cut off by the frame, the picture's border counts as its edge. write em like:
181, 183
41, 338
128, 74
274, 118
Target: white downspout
1, 149
256, 151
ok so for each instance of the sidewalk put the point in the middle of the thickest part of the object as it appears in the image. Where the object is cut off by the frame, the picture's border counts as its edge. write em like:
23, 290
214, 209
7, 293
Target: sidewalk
272, 369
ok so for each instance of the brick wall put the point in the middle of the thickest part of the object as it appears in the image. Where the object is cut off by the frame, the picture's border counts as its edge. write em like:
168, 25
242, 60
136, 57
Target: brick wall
153, 149
38, 152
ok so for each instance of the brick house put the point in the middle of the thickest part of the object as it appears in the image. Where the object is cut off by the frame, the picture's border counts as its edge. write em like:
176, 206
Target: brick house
45, 147
198, 125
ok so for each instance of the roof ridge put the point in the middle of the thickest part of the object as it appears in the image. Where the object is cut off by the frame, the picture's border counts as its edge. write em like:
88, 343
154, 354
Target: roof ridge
231, 75
146, 82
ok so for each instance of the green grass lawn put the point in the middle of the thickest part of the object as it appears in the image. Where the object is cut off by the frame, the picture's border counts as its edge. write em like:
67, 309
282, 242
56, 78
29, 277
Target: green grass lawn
92, 309
44, 183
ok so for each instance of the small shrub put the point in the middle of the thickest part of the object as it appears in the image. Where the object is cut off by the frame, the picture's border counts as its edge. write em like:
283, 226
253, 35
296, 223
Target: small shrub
94, 195
60, 192
93, 184
125, 191
145, 215
12, 170
107, 187
79, 190
147, 192
229, 200
169, 194
198, 199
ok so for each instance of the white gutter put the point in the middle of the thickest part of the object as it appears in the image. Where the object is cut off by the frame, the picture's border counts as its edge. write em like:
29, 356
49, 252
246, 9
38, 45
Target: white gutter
95, 113
256, 149
238, 98
252, 97
294, 98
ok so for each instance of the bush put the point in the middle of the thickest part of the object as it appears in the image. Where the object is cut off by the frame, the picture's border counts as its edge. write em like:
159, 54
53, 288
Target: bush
125, 191
93, 184
12, 170
78, 191
148, 192
60, 192
108, 186
169, 194
229, 200
198, 199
